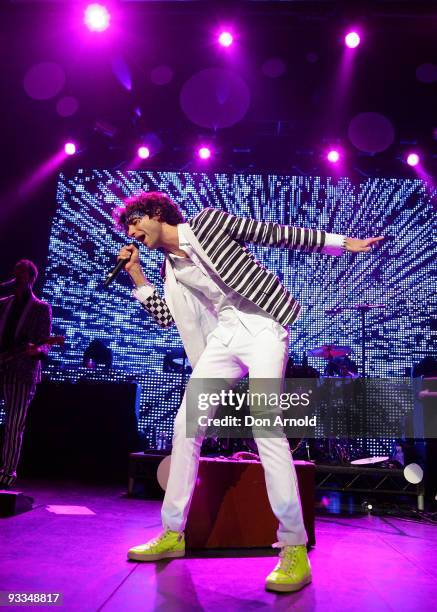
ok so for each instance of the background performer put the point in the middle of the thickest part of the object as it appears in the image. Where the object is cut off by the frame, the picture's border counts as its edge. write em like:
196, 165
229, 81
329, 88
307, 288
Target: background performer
24, 321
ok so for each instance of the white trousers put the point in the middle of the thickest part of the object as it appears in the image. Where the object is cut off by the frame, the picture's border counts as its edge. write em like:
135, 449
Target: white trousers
262, 356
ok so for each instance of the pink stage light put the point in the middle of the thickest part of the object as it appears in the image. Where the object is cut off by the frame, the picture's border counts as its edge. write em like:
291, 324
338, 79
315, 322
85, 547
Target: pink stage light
70, 148
333, 156
143, 152
204, 153
97, 17
413, 159
352, 40
226, 39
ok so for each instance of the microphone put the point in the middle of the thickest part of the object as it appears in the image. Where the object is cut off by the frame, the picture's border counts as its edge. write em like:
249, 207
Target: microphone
119, 266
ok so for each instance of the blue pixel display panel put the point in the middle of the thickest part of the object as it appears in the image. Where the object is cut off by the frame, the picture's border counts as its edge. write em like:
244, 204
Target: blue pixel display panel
399, 274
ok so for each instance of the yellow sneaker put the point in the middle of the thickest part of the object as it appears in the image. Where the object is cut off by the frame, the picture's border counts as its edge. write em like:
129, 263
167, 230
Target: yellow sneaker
168, 545
293, 570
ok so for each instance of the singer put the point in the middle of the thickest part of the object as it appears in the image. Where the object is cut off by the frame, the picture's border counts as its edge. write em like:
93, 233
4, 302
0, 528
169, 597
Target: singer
231, 313
24, 320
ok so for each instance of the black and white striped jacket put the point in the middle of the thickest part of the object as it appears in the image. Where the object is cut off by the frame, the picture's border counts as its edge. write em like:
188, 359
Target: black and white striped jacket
218, 238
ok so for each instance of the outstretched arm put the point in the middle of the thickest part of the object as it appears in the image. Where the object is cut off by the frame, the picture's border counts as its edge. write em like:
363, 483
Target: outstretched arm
355, 245
267, 233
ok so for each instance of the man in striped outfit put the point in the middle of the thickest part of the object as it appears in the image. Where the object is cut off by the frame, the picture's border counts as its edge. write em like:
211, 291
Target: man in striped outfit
24, 320
231, 314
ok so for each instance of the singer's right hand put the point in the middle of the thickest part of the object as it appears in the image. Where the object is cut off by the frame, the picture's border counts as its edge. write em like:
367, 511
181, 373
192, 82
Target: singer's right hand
131, 253
133, 266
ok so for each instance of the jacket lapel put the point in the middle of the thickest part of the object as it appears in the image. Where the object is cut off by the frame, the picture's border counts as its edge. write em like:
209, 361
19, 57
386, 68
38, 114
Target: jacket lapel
195, 244
184, 314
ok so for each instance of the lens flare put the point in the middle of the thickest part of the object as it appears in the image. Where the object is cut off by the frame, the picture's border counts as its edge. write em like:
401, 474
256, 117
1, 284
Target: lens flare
333, 156
96, 17
70, 148
225, 39
352, 40
413, 159
143, 152
204, 153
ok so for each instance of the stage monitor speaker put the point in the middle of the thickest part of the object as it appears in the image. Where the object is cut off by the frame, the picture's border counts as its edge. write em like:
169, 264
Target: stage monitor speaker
230, 507
81, 430
14, 502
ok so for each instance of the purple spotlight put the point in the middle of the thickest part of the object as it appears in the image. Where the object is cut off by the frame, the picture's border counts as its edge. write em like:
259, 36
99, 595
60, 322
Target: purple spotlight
70, 148
204, 153
225, 39
413, 159
333, 156
96, 17
143, 152
352, 40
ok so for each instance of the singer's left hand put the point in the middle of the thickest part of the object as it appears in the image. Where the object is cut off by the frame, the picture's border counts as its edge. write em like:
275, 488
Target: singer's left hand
355, 245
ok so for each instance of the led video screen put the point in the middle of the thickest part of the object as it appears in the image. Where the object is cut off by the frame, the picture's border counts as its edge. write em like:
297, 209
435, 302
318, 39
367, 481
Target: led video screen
398, 275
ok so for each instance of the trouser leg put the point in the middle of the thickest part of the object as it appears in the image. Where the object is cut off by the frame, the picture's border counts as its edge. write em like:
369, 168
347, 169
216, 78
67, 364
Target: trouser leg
268, 361
216, 362
282, 489
17, 399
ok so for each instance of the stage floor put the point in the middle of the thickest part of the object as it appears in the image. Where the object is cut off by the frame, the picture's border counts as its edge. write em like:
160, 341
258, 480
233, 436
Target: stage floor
75, 540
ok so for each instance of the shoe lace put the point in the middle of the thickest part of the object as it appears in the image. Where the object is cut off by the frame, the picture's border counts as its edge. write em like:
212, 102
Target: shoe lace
287, 556
160, 537
157, 540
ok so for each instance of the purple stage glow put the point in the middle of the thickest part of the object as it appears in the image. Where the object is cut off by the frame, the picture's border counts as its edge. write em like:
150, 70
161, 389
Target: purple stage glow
122, 72
215, 98
274, 67
39, 175
97, 17
333, 156
204, 152
143, 152
413, 159
67, 106
352, 40
161, 75
70, 148
427, 73
226, 39
44, 80
371, 132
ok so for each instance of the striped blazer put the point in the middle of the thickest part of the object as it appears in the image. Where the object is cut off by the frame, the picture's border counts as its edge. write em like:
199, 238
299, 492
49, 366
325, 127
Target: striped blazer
218, 239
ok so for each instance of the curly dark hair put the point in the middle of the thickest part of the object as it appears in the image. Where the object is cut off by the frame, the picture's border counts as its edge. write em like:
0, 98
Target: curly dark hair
151, 203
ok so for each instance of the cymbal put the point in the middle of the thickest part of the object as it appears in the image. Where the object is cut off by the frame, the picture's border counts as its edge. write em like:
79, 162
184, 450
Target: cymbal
360, 307
328, 351
369, 460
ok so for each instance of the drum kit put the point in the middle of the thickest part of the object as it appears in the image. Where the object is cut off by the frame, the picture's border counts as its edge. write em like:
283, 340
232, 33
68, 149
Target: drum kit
339, 364
363, 310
